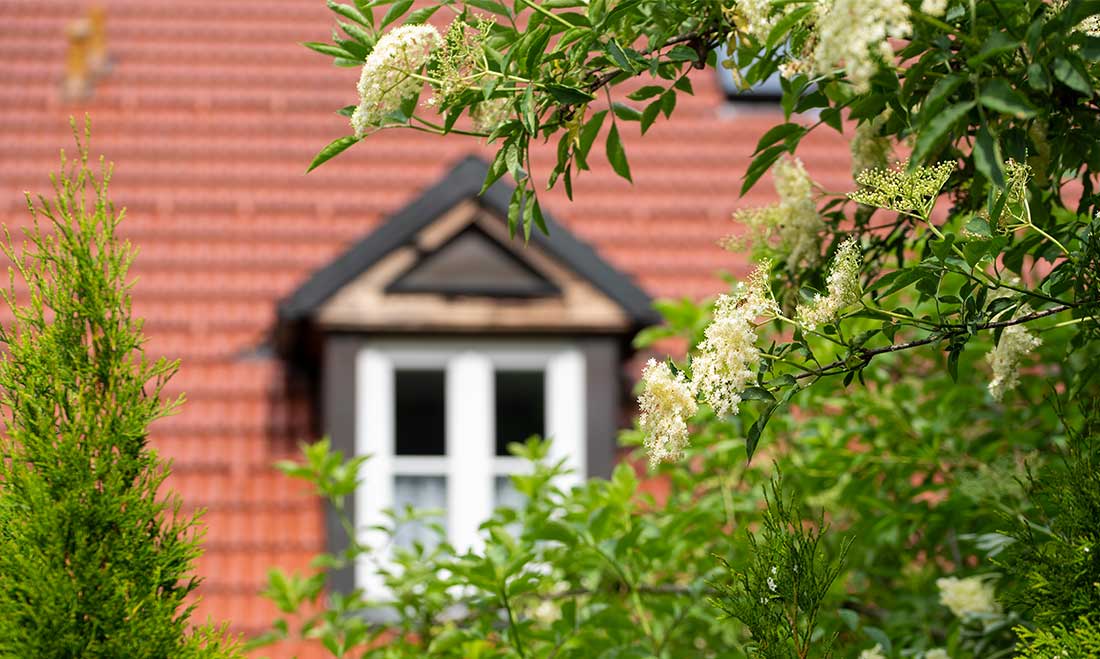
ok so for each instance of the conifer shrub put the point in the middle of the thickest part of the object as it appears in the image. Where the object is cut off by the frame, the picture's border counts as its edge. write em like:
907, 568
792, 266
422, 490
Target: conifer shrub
95, 561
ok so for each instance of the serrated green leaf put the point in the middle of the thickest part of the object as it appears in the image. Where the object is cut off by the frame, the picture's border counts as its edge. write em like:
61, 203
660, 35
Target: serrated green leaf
760, 164
351, 13
616, 155
1071, 74
421, 16
682, 53
649, 115
328, 49
642, 93
625, 112
396, 11
936, 130
998, 95
997, 43
775, 134
616, 52
588, 137
567, 95
987, 157
334, 148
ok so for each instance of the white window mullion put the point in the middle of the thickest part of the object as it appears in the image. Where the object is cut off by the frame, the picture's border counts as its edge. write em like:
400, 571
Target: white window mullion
470, 447
565, 413
374, 436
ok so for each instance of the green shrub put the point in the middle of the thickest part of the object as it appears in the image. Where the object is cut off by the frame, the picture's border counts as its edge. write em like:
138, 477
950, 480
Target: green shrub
92, 562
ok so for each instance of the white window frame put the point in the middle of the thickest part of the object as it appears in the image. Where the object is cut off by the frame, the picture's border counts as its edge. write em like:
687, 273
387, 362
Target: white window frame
469, 463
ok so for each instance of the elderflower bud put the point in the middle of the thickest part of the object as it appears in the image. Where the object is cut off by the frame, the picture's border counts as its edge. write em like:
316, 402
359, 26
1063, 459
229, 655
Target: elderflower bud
856, 34
873, 653
842, 284
901, 190
1016, 342
387, 77
967, 597
666, 403
794, 221
728, 356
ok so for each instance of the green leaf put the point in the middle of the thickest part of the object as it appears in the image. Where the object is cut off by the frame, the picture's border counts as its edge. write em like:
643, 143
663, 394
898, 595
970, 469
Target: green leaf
421, 16
668, 103
649, 115
998, 95
625, 112
752, 438
936, 130
567, 95
616, 155
334, 148
997, 43
757, 393
987, 157
351, 13
395, 12
777, 133
588, 137
1072, 75
682, 53
941, 91
761, 163
491, 6
621, 58
328, 49
642, 93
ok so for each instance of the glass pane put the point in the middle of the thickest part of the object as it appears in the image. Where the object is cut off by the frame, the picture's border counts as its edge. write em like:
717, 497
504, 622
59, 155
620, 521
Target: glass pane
505, 494
419, 419
422, 493
520, 407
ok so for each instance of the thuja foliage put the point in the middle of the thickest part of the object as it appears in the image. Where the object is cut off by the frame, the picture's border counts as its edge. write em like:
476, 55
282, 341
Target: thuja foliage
94, 560
906, 349
779, 595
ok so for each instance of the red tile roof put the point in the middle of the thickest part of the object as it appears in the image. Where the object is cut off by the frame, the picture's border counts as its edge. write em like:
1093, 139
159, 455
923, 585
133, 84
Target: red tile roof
211, 114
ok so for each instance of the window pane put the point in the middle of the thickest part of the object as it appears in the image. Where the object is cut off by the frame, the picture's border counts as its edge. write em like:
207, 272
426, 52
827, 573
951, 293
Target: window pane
520, 407
505, 494
419, 419
422, 493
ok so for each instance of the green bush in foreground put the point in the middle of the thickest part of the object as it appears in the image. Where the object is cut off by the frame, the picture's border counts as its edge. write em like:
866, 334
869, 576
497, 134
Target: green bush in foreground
92, 562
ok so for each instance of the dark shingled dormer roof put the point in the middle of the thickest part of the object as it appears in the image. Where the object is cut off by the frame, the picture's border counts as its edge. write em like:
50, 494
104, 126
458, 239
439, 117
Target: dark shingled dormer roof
463, 183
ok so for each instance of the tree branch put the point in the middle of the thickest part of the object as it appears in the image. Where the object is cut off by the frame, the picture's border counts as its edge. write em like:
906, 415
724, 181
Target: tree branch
866, 355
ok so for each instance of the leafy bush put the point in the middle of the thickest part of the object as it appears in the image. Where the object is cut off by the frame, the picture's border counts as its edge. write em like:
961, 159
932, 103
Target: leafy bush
92, 562
905, 352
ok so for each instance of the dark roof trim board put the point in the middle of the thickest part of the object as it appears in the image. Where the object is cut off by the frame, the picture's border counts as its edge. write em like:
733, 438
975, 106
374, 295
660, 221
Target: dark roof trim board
462, 183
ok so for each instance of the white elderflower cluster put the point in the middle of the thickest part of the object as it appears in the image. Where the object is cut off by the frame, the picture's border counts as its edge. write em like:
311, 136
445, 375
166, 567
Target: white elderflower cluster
758, 17
937, 653
933, 8
873, 653
856, 34
967, 597
1016, 342
870, 150
388, 74
667, 402
795, 221
842, 285
728, 356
